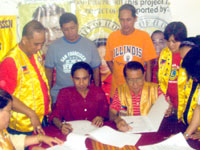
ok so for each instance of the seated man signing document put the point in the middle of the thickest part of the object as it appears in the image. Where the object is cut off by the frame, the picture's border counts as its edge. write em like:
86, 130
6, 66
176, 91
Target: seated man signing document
80, 102
135, 97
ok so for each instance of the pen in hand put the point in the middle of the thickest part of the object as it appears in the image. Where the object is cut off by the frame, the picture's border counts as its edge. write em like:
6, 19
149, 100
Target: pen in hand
130, 123
67, 126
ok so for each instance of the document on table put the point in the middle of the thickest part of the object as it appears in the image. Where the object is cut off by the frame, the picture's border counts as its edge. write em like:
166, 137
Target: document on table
109, 136
176, 142
82, 126
74, 142
105, 135
152, 121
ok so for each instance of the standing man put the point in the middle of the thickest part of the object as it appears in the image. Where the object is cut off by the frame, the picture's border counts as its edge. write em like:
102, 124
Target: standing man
66, 51
23, 76
128, 44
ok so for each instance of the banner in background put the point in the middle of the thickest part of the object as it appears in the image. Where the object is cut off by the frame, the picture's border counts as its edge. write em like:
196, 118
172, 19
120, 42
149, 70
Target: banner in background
48, 13
152, 14
97, 18
8, 35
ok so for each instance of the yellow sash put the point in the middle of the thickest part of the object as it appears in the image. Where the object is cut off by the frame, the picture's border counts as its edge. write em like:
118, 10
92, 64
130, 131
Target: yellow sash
182, 80
148, 97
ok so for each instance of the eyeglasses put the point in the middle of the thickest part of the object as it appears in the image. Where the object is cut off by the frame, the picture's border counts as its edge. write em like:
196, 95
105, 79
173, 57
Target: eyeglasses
137, 80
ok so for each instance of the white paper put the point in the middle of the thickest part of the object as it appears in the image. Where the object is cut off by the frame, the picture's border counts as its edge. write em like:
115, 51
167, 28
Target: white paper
157, 112
152, 121
82, 126
109, 136
176, 142
104, 135
73, 142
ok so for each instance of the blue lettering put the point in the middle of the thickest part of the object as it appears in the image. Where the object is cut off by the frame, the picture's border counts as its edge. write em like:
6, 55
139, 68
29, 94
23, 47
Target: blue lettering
128, 49
140, 52
115, 52
133, 51
121, 50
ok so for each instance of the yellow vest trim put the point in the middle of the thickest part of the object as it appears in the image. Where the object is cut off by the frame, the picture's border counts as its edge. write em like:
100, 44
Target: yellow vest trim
148, 97
184, 99
165, 63
182, 80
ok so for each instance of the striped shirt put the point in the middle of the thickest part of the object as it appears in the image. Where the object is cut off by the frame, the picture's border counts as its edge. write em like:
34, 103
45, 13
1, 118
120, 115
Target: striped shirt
135, 102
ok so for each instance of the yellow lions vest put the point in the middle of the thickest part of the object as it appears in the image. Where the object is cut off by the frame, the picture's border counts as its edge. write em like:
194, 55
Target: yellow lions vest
148, 97
184, 99
28, 89
5, 142
165, 63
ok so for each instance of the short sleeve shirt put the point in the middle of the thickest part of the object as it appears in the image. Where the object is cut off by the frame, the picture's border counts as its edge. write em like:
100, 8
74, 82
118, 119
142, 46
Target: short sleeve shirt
62, 54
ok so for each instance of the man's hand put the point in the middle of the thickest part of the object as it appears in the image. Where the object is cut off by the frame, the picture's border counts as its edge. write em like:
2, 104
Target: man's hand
169, 111
35, 121
97, 121
66, 128
122, 125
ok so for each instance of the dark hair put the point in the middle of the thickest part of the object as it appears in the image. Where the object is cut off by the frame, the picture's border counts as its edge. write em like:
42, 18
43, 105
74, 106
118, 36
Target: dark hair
156, 31
5, 98
191, 63
177, 29
133, 65
191, 42
100, 42
47, 10
31, 27
128, 7
81, 65
66, 18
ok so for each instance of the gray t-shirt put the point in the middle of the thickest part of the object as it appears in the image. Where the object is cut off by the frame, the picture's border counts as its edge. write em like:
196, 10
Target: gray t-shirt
62, 54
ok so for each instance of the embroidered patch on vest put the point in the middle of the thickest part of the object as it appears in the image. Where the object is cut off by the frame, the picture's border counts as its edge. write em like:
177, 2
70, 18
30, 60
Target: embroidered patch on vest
25, 69
163, 61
